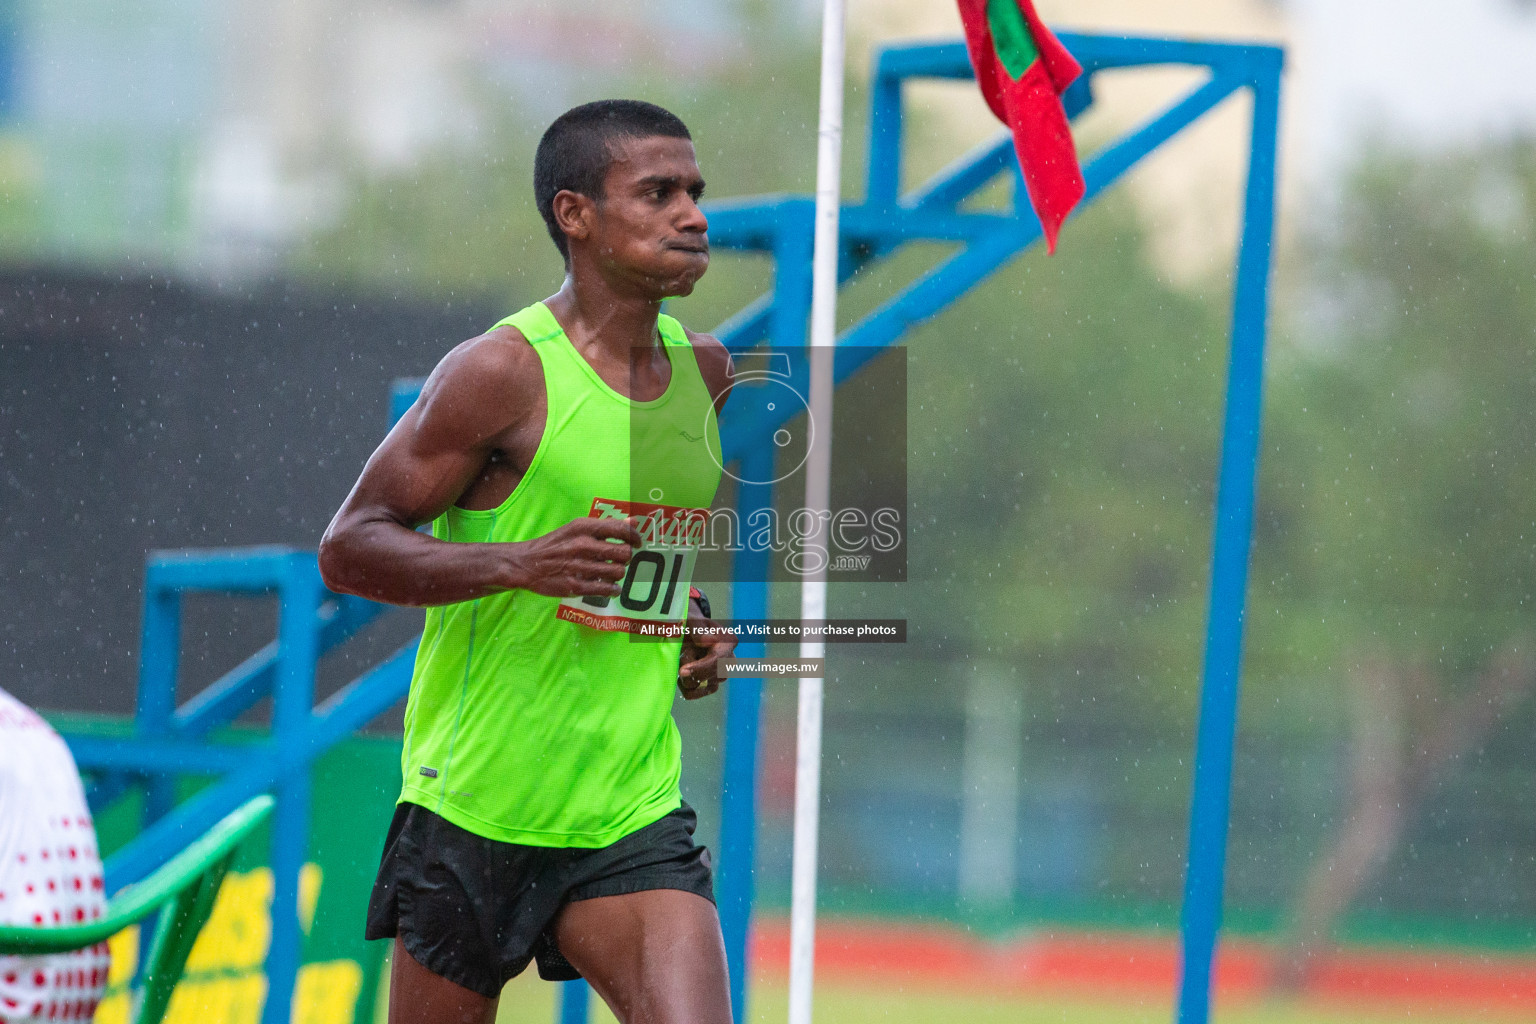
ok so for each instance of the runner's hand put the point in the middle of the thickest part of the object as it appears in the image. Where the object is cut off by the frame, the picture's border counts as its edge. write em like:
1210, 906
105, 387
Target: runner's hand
584, 557
704, 644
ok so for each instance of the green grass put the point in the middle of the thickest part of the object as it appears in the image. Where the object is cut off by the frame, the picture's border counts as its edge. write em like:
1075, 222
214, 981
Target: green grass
527, 1000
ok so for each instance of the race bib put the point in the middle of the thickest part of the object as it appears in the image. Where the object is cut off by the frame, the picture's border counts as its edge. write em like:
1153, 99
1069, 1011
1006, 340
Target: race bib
655, 585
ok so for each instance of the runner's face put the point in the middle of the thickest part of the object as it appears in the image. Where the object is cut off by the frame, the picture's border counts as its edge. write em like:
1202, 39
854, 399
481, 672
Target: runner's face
649, 227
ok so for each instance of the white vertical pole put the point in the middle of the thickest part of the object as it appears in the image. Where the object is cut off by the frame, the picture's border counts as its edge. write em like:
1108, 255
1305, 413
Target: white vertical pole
989, 779
818, 499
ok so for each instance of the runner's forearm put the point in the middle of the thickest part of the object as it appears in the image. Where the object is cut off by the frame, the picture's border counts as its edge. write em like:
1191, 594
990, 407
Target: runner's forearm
386, 561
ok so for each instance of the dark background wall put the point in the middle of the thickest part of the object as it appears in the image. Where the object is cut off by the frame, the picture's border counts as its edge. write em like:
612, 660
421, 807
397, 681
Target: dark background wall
138, 414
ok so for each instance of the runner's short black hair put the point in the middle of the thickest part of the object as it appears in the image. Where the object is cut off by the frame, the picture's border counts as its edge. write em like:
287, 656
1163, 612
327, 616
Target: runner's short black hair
576, 151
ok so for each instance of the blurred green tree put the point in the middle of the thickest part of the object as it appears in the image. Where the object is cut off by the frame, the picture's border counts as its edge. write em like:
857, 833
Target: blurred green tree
463, 220
1064, 427
1415, 371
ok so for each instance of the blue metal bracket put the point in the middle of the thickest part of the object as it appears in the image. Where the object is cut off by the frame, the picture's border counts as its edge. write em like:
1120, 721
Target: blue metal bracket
10, 29
172, 740
888, 218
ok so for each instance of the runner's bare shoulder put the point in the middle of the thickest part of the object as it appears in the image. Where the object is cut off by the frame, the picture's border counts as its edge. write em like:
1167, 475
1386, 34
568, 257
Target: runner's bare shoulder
481, 389
714, 361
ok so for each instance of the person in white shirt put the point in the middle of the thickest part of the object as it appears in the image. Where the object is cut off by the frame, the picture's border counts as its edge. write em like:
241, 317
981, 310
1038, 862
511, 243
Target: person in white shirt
50, 871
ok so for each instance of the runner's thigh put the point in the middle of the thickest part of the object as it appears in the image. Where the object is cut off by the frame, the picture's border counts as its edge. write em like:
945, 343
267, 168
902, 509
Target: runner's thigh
656, 957
417, 996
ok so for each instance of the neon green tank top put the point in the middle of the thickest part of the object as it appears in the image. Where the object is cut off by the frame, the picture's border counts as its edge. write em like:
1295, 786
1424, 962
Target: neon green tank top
546, 722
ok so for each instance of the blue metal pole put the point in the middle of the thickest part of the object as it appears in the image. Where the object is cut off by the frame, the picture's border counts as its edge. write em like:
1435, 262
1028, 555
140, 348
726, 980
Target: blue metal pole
735, 888
575, 1002
10, 28
1209, 804
159, 658
788, 320
293, 697
883, 175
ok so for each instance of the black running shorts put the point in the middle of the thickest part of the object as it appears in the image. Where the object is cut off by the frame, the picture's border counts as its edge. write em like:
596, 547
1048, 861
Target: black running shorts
475, 911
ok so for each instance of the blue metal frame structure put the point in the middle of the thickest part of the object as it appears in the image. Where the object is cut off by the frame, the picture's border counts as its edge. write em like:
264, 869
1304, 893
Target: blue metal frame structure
10, 31
171, 741
886, 219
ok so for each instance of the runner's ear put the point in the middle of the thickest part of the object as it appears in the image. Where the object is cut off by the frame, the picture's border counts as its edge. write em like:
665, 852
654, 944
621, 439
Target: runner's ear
573, 213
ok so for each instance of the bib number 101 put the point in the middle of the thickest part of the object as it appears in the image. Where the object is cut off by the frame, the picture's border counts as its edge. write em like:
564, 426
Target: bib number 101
651, 575
654, 589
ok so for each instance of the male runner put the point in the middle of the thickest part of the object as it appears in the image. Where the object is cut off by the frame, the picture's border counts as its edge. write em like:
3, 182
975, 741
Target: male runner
540, 816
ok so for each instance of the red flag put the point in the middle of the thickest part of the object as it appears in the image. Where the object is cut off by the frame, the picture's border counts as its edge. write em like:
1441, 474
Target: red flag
1023, 70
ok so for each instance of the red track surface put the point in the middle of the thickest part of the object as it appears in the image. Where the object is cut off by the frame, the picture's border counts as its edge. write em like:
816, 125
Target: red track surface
1135, 964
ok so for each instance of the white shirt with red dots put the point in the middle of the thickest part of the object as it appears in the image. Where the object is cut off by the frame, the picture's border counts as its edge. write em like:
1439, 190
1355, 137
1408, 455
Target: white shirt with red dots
50, 871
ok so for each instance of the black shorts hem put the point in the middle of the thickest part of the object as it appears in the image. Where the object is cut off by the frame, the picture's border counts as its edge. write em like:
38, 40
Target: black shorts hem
374, 931
455, 970
452, 970
630, 886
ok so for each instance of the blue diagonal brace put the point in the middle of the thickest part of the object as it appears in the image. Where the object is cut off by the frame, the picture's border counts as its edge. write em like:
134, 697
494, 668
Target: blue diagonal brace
1209, 803
363, 700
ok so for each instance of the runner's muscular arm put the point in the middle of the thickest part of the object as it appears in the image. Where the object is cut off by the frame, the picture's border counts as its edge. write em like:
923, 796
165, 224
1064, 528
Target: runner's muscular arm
468, 408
